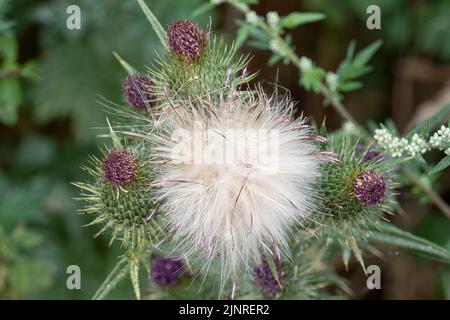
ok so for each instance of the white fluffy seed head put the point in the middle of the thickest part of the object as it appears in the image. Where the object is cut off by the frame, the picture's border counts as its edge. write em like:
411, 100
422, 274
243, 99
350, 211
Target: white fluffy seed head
235, 176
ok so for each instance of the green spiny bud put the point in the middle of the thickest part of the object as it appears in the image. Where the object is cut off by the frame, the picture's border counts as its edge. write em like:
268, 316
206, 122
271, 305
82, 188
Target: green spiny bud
355, 195
119, 197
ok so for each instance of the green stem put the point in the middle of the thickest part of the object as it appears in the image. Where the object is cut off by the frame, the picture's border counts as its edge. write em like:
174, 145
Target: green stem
434, 197
116, 274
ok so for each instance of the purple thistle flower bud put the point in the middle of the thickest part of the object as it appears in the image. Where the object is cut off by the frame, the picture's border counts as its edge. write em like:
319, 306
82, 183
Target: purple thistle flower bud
119, 167
137, 90
369, 188
186, 39
370, 154
263, 275
167, 271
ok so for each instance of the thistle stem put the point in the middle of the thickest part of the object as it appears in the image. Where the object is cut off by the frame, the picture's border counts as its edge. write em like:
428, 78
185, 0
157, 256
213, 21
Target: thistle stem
339, 106
434, 197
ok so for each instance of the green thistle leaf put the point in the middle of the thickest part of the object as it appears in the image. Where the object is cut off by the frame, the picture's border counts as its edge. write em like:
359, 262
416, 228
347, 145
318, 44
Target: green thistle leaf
388, 233
444, 163
296, 19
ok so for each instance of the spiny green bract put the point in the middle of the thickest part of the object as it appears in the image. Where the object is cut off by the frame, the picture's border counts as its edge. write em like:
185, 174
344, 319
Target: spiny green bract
127, 211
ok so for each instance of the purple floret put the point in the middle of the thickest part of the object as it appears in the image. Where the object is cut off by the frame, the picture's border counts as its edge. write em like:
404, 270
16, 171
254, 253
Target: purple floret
264, 277
167, 271
137, 90
370, 153
186, 40
119, 167
369, 188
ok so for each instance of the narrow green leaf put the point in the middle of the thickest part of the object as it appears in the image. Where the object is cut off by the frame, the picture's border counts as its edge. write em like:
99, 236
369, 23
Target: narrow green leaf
296, 19
390, 234
156, 25
444, 163
363, 57
355, 66
351, 50
349, 86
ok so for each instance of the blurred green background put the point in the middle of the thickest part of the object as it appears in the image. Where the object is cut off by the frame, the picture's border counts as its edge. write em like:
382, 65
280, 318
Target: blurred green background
51, 78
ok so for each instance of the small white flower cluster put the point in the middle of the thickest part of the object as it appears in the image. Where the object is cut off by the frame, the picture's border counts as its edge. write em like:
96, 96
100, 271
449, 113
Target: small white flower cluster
396, 146
217, 2
418, 145
251, 17
441, 140
305, 64
272, 19
332, 80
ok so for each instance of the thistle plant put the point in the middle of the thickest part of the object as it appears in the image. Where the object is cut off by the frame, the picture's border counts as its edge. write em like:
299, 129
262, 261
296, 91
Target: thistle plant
195, 193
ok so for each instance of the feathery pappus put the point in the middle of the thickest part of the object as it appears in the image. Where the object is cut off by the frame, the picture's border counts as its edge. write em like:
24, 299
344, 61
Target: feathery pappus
235, 175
